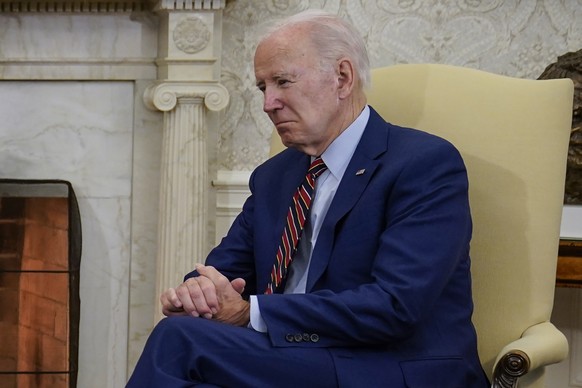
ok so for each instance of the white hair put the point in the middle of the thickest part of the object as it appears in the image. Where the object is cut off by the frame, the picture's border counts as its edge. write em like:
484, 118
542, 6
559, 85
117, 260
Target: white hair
333, 38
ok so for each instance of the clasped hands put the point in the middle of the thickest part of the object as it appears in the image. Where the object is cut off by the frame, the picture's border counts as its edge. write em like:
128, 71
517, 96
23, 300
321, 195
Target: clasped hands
210, 295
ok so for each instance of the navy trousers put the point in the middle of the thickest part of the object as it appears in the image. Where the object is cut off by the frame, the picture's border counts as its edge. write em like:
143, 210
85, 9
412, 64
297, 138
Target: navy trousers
187, 352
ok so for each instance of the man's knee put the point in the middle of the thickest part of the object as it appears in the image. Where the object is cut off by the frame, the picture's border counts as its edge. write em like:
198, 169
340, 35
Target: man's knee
186, 330
171, 331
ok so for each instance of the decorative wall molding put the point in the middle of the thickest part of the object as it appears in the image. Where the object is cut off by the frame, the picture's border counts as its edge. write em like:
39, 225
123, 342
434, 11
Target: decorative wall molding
183, 214
189, 5
232, 189
183, 194
164, 95
21, 6
106, 6
190, 41
191, 35
77, 69
47, 45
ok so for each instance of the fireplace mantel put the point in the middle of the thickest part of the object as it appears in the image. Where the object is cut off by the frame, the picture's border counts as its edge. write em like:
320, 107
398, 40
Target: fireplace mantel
103, 6
75, 5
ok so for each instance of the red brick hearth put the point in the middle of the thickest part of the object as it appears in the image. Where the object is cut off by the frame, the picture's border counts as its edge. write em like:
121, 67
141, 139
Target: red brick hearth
39, 305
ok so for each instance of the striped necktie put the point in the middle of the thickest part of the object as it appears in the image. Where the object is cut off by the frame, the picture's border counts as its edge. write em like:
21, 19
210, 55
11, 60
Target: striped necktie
296, 217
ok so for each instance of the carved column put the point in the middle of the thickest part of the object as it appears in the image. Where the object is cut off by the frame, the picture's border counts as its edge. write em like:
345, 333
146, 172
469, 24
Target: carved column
188, 86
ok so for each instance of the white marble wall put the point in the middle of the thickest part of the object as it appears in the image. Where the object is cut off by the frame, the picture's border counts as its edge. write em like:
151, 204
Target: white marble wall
48, 46
83, 132
147, 140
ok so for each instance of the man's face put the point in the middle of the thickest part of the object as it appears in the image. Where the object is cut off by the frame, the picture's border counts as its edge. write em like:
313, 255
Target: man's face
300, 97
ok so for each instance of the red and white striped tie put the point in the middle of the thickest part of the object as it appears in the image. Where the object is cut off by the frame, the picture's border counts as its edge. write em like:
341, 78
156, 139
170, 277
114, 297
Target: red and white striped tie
296, 217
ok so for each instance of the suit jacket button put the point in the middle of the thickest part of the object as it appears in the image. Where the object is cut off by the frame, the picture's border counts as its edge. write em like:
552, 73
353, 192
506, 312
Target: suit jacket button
306, 337
289, 337
314, 338
298, 337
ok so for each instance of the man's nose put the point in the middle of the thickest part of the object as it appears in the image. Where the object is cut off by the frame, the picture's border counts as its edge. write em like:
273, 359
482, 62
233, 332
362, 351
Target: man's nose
271, 101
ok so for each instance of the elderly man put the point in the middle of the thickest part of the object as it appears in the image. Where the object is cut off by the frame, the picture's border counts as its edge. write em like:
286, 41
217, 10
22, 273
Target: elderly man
349, 263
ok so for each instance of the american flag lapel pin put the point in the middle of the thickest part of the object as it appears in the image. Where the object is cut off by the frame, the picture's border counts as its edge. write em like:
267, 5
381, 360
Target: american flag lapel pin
361, 171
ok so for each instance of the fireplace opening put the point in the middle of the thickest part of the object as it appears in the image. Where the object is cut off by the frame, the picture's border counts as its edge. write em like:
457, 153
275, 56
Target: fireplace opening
40, 254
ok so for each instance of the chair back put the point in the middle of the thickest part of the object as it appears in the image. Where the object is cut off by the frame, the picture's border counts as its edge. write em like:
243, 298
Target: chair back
513, 135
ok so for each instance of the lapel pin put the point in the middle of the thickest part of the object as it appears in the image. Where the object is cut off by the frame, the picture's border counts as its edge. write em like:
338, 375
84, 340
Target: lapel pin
361, 172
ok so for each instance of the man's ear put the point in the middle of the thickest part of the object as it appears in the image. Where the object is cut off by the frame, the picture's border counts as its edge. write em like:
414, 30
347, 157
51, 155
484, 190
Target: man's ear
346, 77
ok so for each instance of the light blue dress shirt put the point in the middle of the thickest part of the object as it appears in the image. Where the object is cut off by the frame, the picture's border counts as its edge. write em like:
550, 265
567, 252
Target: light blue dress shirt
336, 157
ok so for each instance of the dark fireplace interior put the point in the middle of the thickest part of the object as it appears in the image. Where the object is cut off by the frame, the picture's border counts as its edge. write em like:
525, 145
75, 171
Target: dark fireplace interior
40, 249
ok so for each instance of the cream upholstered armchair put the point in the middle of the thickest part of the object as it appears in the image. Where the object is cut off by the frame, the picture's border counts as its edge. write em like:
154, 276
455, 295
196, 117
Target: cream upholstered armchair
513, 135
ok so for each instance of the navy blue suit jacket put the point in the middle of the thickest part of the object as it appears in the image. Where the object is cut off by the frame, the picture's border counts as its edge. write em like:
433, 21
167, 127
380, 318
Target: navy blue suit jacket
389, 287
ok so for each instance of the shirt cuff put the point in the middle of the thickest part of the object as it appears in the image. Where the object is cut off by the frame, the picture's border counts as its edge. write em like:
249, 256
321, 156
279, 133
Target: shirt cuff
257, 322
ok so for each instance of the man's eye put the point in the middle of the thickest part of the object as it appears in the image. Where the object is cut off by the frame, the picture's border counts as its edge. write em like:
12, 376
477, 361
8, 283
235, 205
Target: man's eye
282, 82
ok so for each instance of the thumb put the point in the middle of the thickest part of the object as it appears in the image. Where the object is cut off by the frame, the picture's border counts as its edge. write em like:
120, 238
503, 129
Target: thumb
238, 284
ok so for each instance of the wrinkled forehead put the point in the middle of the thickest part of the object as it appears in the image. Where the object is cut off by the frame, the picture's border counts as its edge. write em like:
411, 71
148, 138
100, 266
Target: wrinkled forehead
290, 45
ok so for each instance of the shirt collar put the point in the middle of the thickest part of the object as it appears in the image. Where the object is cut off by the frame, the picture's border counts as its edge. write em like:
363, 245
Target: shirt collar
340, 151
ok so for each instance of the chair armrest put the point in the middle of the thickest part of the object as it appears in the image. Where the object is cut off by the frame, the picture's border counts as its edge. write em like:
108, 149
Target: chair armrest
540, 345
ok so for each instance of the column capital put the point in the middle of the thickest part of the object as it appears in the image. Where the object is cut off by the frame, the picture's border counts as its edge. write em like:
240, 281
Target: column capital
188, 5
164, 96
80, 6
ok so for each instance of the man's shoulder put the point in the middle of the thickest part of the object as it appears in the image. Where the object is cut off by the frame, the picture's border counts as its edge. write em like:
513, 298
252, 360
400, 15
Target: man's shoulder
406, 140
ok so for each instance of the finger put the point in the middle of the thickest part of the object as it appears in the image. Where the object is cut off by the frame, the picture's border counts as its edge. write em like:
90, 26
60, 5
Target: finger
219, 280
171, 305
210, 294
170, 298
168, 312
207, 270
239, 285
186, 292
203, 296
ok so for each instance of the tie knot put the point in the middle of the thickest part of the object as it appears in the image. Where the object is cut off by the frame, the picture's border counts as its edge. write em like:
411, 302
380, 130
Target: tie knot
317, 167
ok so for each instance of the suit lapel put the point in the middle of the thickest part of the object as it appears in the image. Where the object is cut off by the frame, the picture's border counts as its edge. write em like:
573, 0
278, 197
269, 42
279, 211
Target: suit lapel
356, 179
